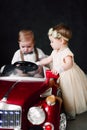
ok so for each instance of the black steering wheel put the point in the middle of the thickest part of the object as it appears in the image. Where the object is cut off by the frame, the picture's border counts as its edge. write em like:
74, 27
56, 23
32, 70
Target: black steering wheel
26, 66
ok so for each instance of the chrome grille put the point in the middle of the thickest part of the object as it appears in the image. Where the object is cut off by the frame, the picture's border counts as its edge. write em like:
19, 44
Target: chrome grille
10, 118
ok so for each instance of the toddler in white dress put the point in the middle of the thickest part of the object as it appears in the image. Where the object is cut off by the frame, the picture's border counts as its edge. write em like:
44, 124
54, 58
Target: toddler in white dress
73, 80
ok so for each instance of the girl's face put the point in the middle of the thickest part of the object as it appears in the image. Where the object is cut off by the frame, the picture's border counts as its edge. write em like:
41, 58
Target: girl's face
26, 46
55, 43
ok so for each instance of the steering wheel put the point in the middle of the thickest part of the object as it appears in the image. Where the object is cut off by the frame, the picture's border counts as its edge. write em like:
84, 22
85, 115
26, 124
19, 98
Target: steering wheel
26, 66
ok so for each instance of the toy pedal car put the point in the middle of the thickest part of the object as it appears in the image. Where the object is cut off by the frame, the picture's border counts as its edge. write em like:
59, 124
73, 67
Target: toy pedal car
27, 99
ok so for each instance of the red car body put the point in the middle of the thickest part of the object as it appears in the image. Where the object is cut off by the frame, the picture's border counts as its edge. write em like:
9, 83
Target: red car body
19, 94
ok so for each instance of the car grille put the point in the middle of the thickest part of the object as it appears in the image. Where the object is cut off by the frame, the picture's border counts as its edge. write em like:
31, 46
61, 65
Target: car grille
10, 118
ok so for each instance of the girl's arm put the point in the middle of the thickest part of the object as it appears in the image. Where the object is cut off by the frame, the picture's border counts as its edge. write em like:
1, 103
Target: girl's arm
45, 61
67, 62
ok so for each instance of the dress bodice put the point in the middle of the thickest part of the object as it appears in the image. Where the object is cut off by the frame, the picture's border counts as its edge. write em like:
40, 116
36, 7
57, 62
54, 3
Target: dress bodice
58, 57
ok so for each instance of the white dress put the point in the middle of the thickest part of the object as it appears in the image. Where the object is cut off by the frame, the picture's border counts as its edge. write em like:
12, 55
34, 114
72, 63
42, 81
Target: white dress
73, 83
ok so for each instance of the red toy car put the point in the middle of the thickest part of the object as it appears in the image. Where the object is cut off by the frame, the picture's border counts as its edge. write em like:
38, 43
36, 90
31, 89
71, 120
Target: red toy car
28, 98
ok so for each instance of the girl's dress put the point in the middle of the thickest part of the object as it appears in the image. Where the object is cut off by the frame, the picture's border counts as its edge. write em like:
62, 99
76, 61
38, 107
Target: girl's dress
73, 83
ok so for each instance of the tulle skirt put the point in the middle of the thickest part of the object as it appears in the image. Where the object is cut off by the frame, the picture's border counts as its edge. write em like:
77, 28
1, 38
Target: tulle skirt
73, 84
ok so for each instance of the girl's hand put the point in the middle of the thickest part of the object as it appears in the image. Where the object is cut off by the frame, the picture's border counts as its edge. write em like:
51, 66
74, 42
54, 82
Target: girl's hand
54, 71
58, 70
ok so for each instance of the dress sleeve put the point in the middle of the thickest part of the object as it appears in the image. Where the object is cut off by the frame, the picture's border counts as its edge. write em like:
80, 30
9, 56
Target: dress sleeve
67, 52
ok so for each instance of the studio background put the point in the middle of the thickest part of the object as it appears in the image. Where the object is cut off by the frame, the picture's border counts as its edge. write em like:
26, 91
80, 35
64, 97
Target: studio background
40, 15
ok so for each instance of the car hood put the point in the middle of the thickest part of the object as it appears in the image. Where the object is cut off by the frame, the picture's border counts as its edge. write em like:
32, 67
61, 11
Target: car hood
21, 92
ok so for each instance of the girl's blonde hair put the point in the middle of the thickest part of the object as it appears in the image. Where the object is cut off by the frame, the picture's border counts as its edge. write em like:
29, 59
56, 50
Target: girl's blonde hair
61, 30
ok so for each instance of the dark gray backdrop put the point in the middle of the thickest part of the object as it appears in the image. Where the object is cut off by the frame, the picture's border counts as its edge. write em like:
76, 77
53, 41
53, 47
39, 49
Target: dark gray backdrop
40, 15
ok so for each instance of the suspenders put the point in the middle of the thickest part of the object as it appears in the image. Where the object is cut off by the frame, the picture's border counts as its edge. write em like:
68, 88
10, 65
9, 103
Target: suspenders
36, 53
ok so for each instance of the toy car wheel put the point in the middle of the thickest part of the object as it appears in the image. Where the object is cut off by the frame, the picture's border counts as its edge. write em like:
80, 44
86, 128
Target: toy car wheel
59, 93
63, 121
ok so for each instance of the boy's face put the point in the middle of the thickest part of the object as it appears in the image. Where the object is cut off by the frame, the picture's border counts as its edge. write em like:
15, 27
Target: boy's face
26, 46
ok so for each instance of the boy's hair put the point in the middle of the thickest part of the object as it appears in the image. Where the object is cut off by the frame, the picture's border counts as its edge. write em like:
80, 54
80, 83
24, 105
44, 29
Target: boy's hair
25, 35
64, 30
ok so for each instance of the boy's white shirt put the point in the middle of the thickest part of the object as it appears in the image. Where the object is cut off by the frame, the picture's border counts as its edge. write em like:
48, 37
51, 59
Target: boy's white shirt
27, 57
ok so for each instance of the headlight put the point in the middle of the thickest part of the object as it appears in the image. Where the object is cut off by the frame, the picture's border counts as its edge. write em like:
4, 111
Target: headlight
36, 115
